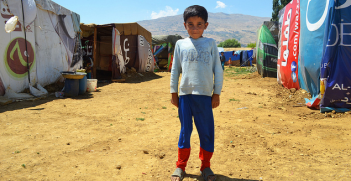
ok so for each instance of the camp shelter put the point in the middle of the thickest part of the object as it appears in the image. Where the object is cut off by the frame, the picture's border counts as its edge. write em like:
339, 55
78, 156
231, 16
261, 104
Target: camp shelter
273, 27
312, 46
115, 47
49, 44
266, 53
163, 48
335, 76
239, 50
288, 45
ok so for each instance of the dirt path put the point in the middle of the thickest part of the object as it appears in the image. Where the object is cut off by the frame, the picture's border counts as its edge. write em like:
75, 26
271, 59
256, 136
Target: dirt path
262, 132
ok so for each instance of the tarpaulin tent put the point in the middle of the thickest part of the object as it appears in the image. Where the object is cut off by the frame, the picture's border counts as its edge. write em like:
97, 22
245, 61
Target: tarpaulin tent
324, 54
313, 16
161, 43
273, 27
49, 44
236, 52
335, 77
288, 47
118, 46
235, 58
266, 53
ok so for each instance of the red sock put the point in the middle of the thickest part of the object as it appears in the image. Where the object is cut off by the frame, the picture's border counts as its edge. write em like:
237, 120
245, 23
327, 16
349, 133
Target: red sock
205, 158
183, 157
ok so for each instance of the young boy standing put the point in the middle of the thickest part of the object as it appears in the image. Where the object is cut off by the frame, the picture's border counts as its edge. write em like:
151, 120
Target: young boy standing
197, 58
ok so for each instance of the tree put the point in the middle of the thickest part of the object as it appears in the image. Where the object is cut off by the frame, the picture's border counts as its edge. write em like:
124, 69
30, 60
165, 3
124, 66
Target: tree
251, 45
230, 43
277, 6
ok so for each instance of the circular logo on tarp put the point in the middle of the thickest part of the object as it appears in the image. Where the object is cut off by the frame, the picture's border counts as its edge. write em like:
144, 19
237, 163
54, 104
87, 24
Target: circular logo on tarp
293, 66
16, 57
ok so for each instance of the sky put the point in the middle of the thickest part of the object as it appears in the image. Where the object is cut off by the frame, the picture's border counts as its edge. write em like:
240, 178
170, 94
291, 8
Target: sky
125, 11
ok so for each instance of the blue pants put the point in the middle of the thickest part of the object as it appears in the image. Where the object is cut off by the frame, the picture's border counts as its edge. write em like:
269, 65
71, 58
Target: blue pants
222, 65
199, 107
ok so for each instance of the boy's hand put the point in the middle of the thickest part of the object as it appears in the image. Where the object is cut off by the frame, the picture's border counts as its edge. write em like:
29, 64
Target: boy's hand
215, 100
175, 99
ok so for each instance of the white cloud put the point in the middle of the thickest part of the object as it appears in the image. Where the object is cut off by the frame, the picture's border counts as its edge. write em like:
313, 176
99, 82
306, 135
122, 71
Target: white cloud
220, 5
163, 13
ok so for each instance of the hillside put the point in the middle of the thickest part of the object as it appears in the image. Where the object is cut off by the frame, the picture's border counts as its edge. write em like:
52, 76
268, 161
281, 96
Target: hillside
221, 26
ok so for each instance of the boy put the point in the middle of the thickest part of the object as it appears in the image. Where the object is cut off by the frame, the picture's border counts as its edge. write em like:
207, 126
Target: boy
198, 60
222, 58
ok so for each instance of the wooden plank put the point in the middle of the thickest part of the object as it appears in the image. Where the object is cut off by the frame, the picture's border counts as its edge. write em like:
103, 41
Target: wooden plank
118, 80
95, 53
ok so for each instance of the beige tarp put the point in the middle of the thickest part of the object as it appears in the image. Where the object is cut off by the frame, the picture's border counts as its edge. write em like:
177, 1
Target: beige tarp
123, 28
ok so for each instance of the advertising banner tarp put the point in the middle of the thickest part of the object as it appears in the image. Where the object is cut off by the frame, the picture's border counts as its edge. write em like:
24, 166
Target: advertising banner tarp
50, 46
146, 58
16, 59
313, 23
289, 47
335, 80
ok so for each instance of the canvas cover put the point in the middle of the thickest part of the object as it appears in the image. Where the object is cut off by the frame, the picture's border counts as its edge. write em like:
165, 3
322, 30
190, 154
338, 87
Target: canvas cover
161, 43
129, 43
289, 45
160, 39
313, 23
267, 52
273, 27
51, 46
336, 63
145, 55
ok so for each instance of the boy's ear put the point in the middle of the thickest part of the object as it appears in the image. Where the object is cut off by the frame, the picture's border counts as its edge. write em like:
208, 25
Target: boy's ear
185, 26
206, 24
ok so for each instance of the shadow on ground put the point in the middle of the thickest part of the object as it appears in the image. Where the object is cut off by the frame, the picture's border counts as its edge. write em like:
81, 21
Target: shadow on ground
26, 104
218, 178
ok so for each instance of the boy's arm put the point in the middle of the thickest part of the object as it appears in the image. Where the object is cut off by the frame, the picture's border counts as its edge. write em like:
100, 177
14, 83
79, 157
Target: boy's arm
215, 100
217, 70
175, 73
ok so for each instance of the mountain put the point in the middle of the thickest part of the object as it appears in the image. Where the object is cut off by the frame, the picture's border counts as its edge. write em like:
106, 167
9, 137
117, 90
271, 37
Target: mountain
221, 26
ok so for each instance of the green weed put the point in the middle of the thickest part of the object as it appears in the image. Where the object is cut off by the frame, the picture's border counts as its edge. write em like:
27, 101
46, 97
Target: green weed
230, 100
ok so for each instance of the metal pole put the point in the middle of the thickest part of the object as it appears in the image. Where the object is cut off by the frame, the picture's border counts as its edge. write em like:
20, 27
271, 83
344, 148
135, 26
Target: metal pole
25, 43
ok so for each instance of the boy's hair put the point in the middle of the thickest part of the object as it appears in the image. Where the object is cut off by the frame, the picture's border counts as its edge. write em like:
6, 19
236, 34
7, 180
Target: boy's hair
195, 10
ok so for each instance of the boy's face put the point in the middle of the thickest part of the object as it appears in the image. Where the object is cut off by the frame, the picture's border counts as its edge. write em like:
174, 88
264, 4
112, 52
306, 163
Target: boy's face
195, 26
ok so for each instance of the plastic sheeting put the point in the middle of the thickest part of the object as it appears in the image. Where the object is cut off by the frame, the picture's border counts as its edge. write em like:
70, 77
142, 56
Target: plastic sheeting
313, 16
267, 52
160, 39
336, 64
29, 9
47, 51
52, 6
146, 63
289, 46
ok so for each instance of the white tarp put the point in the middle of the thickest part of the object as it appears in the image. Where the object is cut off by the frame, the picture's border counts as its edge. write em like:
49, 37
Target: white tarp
51, 43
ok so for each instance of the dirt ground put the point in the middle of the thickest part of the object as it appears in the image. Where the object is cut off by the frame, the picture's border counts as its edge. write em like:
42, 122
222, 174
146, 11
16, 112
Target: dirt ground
129, 131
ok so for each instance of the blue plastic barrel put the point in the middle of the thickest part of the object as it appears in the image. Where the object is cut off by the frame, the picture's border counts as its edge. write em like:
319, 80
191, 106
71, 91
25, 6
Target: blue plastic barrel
83, 85
71, 87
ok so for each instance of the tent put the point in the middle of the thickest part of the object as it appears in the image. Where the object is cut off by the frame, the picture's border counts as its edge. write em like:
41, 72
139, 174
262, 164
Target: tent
311, 47
266, 53
335, 76
288, 46
163, 47
118, 46
235, 54
49, 44
324, 52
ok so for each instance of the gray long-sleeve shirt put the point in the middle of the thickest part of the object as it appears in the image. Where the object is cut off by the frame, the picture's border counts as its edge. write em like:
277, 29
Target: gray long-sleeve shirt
198, 61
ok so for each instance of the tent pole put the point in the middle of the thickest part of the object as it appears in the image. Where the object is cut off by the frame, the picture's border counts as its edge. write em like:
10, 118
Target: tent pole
25, 41
95, 52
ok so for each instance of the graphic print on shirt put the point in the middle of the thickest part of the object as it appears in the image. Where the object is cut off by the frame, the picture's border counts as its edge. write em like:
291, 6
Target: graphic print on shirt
202, 55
